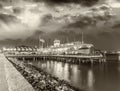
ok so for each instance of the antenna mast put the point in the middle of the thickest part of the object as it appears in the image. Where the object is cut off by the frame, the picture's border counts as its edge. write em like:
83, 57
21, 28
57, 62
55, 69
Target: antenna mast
82, 38
39, 41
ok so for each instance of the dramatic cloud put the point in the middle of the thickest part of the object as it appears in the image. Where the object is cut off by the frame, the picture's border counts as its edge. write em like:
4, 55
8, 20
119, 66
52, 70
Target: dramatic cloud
11, 28
82, 2
21, 19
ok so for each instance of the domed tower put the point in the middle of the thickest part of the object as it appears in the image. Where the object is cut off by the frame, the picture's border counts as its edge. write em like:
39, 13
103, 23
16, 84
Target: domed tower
56, 43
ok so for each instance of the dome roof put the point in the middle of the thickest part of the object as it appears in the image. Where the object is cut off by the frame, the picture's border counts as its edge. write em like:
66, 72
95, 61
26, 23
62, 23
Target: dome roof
56, 41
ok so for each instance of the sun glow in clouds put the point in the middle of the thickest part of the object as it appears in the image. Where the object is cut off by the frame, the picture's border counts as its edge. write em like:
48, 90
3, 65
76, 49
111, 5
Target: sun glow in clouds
113, 3
29, 18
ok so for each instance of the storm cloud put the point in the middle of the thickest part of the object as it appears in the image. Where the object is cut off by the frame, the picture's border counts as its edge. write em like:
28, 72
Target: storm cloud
82, 2
66, 18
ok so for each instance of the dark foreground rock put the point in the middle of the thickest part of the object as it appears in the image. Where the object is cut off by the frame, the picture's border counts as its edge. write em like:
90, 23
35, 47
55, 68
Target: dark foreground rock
40, 80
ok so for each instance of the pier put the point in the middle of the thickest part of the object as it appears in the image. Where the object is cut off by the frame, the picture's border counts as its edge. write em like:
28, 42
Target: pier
74, 52
63, 58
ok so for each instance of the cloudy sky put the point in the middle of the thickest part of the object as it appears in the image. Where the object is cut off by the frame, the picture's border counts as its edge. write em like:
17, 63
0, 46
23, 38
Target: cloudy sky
22, 21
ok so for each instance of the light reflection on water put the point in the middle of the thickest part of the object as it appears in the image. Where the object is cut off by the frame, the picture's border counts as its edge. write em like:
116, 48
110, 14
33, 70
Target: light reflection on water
99, 77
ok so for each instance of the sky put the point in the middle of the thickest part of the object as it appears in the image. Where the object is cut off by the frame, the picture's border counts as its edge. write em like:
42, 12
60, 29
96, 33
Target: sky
23, 21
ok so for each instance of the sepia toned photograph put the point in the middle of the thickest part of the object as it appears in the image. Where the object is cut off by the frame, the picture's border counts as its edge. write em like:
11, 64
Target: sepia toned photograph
59, 45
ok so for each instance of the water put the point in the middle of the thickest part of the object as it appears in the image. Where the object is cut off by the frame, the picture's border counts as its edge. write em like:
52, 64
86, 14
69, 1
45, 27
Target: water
99, 77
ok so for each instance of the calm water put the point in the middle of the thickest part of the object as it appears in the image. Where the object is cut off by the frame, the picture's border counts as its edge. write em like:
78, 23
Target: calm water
102, 77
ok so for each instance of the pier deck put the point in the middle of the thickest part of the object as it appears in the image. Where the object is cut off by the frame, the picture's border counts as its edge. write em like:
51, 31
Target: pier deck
63, 58
38, 55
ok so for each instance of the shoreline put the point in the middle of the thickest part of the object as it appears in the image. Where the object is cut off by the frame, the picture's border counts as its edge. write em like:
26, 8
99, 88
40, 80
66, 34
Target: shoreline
41, 80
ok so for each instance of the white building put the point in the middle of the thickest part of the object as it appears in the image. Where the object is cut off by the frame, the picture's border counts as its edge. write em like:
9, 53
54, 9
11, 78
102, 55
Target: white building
56, 43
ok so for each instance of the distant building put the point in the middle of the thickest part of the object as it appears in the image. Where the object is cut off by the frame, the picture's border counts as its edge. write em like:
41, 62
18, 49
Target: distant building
20, 49
25, 48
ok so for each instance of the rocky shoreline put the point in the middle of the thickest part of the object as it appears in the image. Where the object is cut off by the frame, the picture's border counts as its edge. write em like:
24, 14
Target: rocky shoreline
40, 80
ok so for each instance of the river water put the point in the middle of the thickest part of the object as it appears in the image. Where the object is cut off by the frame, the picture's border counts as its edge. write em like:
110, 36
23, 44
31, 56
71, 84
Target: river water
99, 77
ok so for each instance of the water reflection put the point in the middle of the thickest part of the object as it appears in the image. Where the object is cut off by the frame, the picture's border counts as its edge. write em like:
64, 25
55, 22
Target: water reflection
91, 80
100, 77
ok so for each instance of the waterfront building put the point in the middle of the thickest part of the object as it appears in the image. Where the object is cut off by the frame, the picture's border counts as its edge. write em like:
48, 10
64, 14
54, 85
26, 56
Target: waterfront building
69, 48
80, 48
72, 48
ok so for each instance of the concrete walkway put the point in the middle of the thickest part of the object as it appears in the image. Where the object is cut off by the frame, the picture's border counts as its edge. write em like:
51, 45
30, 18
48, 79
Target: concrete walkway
3, 81
10, 78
